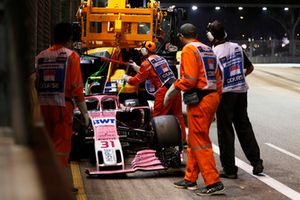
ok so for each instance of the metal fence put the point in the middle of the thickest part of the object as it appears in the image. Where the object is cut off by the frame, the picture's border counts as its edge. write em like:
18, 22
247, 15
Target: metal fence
271, 51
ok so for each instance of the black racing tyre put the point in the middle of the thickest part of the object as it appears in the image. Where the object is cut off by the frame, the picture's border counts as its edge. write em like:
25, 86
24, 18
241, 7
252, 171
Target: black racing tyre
77, 140
80, 147
167, 131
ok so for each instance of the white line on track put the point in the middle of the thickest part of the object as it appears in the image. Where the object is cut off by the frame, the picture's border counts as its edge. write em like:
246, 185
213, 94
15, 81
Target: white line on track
283, 189
283, 151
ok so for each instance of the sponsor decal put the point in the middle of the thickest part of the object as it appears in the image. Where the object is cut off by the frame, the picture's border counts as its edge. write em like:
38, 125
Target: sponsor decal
234, 79
235, 70
211, 64
166, 75
106, 132
54, 85
109, 156
49, 75
104, 121
150, 87
164, 68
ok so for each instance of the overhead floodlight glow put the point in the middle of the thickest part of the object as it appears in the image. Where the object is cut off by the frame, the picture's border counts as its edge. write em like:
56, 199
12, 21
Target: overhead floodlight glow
244, 46
194, 8
241, 17
286, 9
240, 8
264, 8
217, 8
285, 41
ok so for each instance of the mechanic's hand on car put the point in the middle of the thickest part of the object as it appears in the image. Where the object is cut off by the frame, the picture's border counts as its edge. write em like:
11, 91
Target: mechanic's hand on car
172, 91
135, 67
126, 77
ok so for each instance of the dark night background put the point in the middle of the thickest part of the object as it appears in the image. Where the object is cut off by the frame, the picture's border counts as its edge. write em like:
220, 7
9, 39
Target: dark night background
256, 24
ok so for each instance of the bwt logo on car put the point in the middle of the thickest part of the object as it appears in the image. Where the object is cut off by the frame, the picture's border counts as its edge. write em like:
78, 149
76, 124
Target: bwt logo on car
104, 121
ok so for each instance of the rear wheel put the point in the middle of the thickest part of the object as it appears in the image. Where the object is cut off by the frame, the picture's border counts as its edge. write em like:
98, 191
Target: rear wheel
167, 131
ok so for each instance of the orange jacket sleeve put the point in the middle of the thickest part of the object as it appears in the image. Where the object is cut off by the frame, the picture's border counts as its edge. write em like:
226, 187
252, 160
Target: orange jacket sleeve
142, 75
75, 78
189, 70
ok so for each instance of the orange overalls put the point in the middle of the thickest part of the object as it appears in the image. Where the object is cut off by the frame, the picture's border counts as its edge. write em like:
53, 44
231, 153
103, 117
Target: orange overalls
174, 107
58, 114
194, 75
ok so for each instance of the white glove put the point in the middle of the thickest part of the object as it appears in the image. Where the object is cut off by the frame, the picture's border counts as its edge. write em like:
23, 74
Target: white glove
135, 67
84, 112
126, 77
172, 91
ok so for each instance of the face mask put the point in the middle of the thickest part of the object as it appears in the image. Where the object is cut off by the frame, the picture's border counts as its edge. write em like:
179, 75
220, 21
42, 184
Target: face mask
144, 51
210, 37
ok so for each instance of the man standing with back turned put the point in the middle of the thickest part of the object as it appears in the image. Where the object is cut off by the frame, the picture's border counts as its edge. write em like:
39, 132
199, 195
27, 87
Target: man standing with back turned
199, 81
233, 105
59, 83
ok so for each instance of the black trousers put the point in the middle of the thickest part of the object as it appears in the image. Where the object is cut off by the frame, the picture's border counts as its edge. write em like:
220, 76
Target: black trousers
232, 111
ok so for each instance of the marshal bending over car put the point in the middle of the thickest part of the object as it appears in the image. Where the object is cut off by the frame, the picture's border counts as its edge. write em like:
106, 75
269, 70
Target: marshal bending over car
124, 138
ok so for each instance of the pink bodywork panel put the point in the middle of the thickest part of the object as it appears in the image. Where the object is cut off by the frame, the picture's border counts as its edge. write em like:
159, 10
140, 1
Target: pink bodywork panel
105, 129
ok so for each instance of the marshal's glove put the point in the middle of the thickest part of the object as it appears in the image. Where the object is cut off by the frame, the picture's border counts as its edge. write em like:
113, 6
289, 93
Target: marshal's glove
126, 77
172, 91
83, 110
134, 66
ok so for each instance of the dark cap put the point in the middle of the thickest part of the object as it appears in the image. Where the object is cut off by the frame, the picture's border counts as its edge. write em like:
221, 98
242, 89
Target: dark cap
217, 29
62, 33
188, 30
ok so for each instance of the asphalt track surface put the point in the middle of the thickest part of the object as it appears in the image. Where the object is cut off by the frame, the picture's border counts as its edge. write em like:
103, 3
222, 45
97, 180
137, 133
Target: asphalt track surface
274, 110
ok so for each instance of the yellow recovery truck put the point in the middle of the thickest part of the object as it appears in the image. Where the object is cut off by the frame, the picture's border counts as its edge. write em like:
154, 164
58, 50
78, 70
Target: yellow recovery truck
108, 33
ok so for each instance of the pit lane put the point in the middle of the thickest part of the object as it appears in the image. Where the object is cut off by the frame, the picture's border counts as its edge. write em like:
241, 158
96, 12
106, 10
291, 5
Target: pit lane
274, 111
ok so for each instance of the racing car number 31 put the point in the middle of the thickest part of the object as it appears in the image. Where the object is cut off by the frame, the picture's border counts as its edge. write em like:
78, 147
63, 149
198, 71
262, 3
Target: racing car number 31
107, 144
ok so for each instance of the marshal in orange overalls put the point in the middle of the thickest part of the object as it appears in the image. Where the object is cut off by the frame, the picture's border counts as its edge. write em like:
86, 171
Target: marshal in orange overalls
173, 108
58, 117
194, 73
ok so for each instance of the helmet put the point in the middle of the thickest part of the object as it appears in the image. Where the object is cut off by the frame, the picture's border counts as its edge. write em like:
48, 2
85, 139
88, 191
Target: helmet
188, 30
215, 30
148, 46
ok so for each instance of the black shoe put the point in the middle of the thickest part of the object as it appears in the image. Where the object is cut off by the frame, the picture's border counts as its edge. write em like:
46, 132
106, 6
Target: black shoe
184, 184
257, 169
225, 175
213, 189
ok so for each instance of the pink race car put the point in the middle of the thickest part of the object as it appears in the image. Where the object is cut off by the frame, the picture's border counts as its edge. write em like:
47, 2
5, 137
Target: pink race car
124, 138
